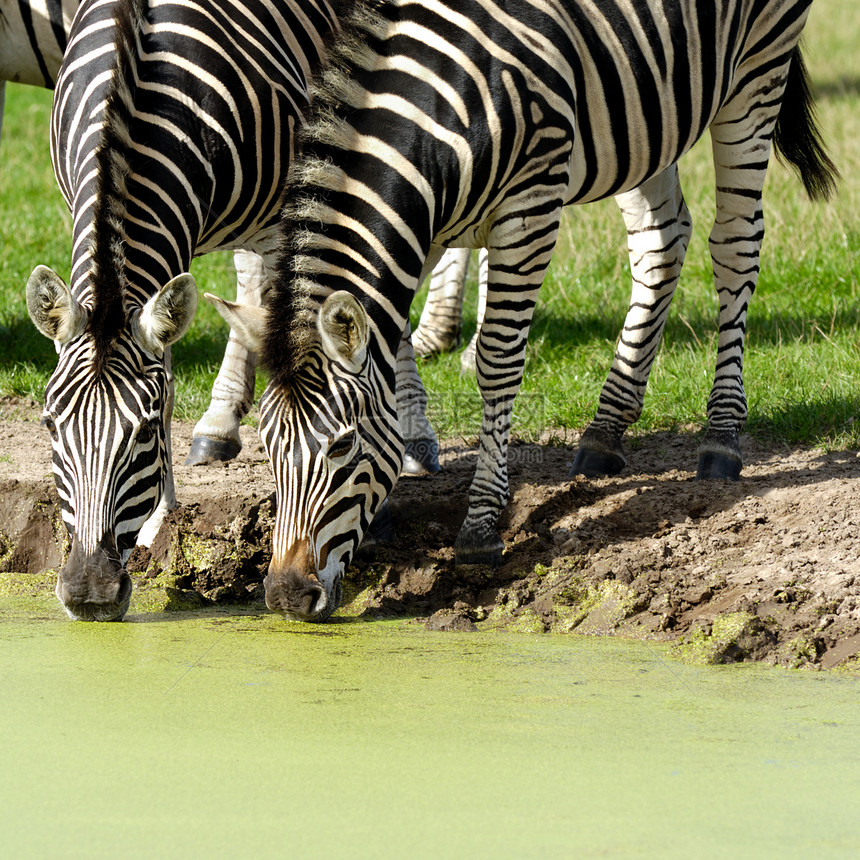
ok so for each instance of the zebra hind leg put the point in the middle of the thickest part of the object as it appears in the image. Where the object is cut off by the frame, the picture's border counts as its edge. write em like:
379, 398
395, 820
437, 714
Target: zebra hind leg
741, 138
216, 435
658, 233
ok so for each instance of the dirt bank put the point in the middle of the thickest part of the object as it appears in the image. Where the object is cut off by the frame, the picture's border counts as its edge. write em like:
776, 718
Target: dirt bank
764, 569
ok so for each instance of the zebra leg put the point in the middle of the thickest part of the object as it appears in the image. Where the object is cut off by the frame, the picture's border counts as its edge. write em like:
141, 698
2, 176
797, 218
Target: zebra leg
658, 232
467, 359
216, 434
500, 357
439, 327
740, 138
421, 455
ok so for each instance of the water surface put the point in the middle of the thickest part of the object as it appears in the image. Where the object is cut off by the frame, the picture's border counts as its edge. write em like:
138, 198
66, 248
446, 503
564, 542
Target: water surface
231, 735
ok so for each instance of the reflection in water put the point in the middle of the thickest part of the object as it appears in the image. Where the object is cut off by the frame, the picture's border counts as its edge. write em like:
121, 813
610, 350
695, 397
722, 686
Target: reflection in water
228, 735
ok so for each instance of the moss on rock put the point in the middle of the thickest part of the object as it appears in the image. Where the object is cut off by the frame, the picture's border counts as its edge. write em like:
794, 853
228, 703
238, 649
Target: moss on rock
730, 638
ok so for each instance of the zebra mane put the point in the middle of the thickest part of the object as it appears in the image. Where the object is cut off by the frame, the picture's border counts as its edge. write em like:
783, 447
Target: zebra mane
109, 283
297, 294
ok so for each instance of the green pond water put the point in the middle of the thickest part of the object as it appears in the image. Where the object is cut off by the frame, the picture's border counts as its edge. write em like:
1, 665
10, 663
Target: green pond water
233, 735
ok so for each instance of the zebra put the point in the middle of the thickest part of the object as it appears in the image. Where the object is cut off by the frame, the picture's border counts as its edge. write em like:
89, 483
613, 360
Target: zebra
471, 124
439, 327
33, 38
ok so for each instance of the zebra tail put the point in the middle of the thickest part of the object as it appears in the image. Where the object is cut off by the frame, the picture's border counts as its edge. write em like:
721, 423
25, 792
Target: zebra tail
797, 136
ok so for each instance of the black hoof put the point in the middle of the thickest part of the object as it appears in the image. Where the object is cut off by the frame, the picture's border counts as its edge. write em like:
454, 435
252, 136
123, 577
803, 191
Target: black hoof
489, 556
421, 457
206, 450
716, 467
596, 464
478, 545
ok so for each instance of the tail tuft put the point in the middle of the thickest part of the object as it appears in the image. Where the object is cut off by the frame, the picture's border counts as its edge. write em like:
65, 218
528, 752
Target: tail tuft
797, 137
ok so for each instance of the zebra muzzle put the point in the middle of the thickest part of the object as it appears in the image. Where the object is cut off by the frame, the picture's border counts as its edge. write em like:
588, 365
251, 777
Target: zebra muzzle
94, 587
294, 590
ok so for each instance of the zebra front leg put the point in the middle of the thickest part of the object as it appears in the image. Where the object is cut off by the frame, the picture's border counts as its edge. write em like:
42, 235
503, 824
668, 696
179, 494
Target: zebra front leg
500, 356
421, 455
216, 434
441, 320
479, 541
658, 232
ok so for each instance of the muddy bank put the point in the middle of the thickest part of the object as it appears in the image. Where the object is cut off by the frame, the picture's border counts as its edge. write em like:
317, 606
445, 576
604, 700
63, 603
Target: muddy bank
765, 569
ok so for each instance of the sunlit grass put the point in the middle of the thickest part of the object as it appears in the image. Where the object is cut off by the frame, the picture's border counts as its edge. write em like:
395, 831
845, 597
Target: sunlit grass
801, 370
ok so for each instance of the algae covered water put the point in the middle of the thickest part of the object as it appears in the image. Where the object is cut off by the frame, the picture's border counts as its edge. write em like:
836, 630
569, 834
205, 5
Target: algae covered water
234, 735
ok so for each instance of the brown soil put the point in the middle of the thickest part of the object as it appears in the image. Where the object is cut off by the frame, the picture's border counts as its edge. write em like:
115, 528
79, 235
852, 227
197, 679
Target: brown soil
764, 569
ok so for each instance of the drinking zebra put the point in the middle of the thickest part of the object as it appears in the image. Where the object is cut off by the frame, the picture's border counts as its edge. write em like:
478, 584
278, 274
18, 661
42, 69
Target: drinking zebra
471, 124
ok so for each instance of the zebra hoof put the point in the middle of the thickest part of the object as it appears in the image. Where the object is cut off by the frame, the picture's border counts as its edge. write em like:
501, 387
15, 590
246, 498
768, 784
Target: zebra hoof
205, 450
596, 464
718, 467
421, 457
488, 556
478, 546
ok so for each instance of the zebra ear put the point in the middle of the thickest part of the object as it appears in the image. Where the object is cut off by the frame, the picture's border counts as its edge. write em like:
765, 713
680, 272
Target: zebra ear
247, 321
53, 308
344, 329
167, 315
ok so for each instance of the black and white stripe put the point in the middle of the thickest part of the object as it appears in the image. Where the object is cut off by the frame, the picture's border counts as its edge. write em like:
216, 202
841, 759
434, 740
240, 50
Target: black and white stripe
471, 124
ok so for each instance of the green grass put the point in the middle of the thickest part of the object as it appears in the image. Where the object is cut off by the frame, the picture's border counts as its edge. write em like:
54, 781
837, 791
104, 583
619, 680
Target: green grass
801, 369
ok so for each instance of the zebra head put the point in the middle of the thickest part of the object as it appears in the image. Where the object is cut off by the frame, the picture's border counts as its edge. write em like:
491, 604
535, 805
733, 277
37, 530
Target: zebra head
107, 410
333, 440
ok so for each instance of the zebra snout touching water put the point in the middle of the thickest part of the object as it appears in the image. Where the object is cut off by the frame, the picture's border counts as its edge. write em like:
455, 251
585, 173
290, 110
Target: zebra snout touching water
471, 124
333, 438
105, 415
94, 587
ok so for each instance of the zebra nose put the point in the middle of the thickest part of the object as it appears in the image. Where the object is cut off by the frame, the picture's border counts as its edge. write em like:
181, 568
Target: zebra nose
94, 587
294, 594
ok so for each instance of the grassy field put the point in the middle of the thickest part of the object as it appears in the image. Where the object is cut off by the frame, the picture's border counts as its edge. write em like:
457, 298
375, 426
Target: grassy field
801, 372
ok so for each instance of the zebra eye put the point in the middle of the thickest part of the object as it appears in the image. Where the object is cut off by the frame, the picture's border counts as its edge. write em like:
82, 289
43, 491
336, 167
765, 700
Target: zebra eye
51, 427
145, 432
343, 446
